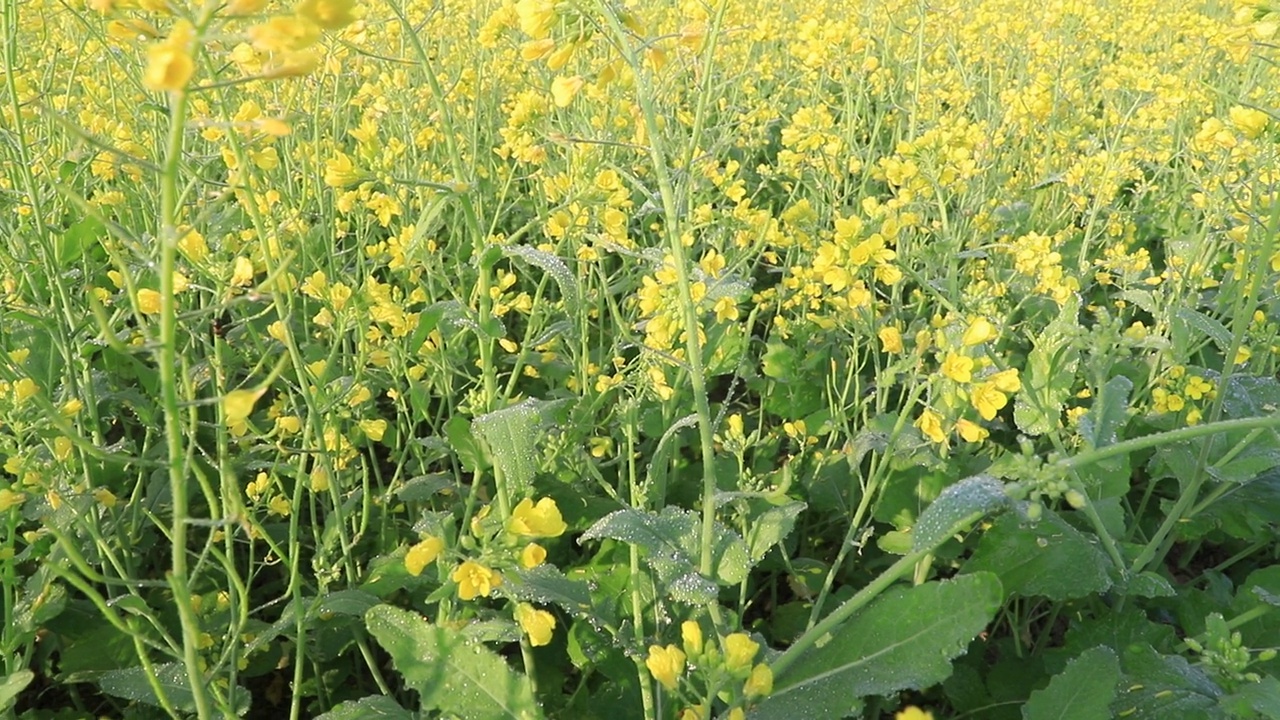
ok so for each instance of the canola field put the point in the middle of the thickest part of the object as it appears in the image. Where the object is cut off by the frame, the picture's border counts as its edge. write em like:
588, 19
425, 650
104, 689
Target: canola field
612, 359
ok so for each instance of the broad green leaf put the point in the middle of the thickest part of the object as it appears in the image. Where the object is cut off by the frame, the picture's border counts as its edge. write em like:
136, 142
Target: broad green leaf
132, 684
11, 686
553, 266
545, 584
1104, 425
372, 707
1083, 691
78, 238
1049, 374
463, 443
1159, 687
512, 436
1262, 698
347, 602
771, 527
978, 494
672, 542
1186, 319
451, 673
1049, 558
905, 639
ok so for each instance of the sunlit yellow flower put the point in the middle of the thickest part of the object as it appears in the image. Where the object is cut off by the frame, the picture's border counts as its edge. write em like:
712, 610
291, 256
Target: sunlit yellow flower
987, 400
24, 389
328, 14
563, 89
911, 712
739, 652
760, 682
691, 634
666, 664
532, 555
10, 499
475, 580
541, 520
890, 339
148, 301
958, 367
971, 431
537, 624
423, 554
1249, 121
930, 424
169, 65
979, 331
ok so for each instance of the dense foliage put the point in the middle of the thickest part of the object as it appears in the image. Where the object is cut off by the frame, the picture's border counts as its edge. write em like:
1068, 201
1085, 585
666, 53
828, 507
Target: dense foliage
694, 358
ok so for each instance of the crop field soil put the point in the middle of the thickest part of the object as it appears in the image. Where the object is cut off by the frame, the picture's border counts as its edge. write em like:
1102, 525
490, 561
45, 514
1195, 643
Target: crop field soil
682, 359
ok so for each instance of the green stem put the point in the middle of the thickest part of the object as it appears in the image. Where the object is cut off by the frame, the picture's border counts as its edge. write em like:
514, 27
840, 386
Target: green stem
167, 360
693, 343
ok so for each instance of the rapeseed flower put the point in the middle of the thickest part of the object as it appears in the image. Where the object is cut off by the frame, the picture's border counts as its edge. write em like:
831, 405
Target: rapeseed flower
540, 520
423, 554
475, 580
537, 624
666, 664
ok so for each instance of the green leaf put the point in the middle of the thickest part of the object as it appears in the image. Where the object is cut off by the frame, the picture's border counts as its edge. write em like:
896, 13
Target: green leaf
545, 584
1186, 319
1049, 373
1083, 691
1104, 425
551, 265
771, 527
672, 543
905, 639
1158, 687
451, 673
463, 443
11, 686
78, 238
373, 707
512, 434
132, 684
1262, 697
978, 494
1049, 558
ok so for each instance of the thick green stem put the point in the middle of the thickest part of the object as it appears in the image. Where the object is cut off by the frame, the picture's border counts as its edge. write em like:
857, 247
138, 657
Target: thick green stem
167, 361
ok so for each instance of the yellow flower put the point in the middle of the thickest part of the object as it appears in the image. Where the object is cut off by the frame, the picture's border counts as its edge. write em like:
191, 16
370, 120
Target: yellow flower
237, 404
760, 682
1249, 121
890, 339
958, 368
971, 431
739, 652
10, 499
242, 271
24, 389
422, 555
930, 423
169, 65
537, 624
541, 520
666, 664
1006, 381
282, 33
987, 400
475, 580
911, 712
533, 555
563, 89
328, 14
691, 633
148, 301
979, 331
